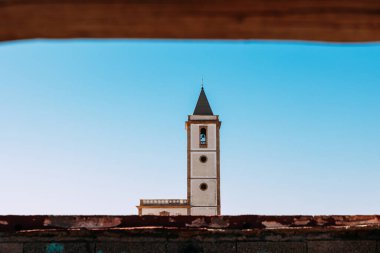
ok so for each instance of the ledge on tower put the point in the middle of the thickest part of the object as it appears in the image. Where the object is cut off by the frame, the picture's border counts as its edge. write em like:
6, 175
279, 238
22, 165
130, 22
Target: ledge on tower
203, 117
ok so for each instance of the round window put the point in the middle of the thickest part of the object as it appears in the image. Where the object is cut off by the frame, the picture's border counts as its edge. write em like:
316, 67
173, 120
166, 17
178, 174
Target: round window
203, 186
203, 158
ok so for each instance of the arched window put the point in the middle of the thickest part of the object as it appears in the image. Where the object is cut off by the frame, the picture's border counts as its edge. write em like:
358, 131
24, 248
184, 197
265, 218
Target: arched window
203, 136
164, 213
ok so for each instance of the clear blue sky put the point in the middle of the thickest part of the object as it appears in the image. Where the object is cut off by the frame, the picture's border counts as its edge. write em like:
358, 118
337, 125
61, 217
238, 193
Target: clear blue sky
90, 127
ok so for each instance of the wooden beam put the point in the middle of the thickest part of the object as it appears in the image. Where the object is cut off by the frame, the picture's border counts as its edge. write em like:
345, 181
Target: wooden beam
313, 20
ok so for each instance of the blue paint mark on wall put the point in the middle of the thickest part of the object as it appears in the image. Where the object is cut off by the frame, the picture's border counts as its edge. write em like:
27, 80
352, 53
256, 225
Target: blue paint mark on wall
54, 248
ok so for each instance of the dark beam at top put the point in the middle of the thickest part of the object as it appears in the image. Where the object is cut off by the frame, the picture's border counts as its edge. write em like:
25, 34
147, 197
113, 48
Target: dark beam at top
313, 20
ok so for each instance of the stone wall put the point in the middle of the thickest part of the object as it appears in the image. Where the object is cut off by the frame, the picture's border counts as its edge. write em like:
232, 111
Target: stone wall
238, 234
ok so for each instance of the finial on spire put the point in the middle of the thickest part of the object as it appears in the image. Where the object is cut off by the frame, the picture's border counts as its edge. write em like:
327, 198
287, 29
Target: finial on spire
202, 82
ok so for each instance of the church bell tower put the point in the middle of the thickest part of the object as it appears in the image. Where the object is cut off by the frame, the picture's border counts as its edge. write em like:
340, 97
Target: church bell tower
203, 159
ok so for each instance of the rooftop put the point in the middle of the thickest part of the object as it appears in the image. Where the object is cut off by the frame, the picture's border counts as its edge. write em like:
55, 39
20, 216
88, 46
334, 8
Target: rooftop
163, 202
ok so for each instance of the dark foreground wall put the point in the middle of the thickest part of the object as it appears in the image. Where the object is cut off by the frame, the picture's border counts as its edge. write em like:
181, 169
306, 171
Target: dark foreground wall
321, 20
258, 234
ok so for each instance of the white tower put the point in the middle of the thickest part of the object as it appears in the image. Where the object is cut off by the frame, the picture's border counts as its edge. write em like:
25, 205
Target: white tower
203, 160
203, 168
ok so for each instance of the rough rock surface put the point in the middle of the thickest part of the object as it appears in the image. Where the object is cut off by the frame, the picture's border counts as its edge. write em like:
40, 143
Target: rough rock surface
237, 234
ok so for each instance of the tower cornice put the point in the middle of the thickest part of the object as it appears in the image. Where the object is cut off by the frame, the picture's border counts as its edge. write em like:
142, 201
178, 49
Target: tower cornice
203, 117
215, 121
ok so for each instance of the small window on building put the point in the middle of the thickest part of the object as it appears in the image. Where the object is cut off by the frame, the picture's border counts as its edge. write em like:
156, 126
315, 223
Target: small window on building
203, 159
203, 137
203, 186
164, 213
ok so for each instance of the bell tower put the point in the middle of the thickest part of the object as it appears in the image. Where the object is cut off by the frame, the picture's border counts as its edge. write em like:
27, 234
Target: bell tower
203, 159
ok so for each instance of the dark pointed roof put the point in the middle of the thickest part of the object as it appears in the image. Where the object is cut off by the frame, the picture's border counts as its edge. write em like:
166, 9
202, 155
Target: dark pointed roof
202, 107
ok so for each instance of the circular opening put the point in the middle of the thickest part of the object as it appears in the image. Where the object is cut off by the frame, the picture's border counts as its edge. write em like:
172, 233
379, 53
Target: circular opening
203, 186
203, 158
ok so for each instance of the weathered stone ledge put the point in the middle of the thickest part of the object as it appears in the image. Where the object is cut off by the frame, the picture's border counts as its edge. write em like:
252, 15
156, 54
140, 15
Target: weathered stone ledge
249, 233
316, 20
18, 223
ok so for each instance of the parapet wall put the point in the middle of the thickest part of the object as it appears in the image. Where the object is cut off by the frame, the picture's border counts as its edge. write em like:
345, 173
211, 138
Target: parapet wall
165, 234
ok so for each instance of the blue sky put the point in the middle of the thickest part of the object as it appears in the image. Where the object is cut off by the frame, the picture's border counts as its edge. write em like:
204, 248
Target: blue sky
92, 126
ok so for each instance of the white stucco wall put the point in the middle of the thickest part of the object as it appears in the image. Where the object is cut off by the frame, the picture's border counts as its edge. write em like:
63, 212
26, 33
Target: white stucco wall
203, 170
203, 198
211, 137
156, 211
204, 211
203, 202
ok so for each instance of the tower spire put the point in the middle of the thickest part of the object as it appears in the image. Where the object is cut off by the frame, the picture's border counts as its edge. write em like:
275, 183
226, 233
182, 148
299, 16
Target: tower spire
203, 107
